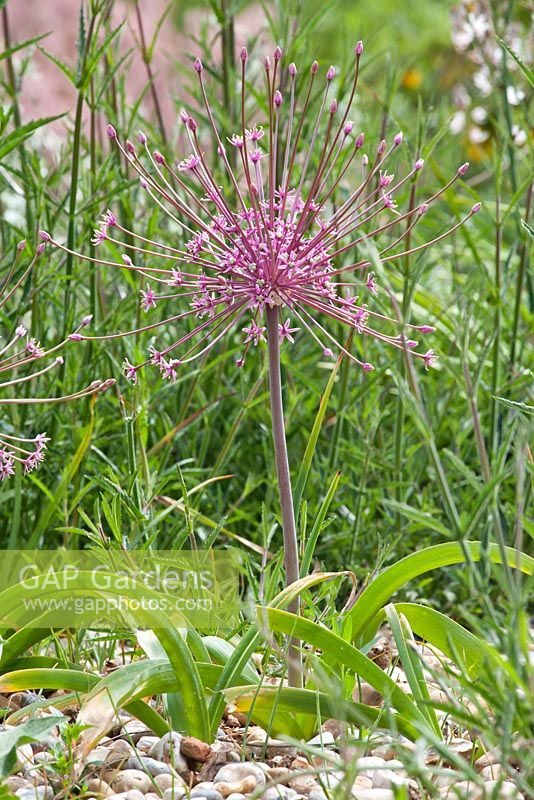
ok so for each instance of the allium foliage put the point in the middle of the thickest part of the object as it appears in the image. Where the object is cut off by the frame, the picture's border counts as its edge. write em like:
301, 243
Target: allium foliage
23, 359
302, 219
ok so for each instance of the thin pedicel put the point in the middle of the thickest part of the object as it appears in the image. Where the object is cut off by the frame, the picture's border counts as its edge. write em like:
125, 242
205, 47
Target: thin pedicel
16, 352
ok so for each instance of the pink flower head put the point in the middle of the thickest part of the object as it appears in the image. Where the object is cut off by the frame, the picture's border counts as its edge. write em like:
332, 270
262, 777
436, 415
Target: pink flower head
148, 299
285, 331
267, 233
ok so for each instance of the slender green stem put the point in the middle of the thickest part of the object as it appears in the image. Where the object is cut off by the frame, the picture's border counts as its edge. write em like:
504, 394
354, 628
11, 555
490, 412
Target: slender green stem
146, 60
291, 555
496, 367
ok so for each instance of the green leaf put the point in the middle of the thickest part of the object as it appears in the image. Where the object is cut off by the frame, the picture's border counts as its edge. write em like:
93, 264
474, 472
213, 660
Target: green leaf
379, 591
317, 526
21, 45
340, 651
423, 518
19, 135
413, 668
34, 730
284, 700
527, 72
452, 639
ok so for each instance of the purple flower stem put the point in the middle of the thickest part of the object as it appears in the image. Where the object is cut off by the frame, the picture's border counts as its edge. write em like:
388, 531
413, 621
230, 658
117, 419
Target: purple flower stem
291, 556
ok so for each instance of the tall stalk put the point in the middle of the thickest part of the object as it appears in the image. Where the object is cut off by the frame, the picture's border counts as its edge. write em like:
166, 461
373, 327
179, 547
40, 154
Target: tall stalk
289, 529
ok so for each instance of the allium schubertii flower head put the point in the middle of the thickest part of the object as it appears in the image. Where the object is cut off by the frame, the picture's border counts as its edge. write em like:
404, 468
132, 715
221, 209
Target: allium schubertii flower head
274, 237
23, 359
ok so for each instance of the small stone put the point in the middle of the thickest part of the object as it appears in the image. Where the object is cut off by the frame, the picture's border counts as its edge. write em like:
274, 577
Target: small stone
44, 757
195, 749
446, 778
256, 735
367, 694
145, 743
322, 739
486, 760
231, 773
174, 793
381, 653
166, 781
25, 756
244, 786
317, 794
362, 782
300, 763
135, 729
148, 764
279, 775
369, 762
152, 796
303, 784
132, 794
491, 773
208, 794
373, 794
167, 749
117, 753
131, 779
467, 790
100, 787
35, 793
279, 792
463, 747
15, 782
507, 790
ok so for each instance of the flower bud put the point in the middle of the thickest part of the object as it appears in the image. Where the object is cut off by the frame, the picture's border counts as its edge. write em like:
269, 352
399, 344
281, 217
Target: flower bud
244, 54
419, 164
423, 208
292, 69
359, 48
40, 248
197, 64
398, 139
333, 106
426, 328
158, 157
75, 337
381, 147
367, 367
130, 148
278, 54
347, 130
184, 116
44, 236
278, 98
192, 125
314, 67
463, 169
267, 63
330, 74
111, 132
141, 138
59, 360
360, 140
476, 208
87, 320
21, 245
